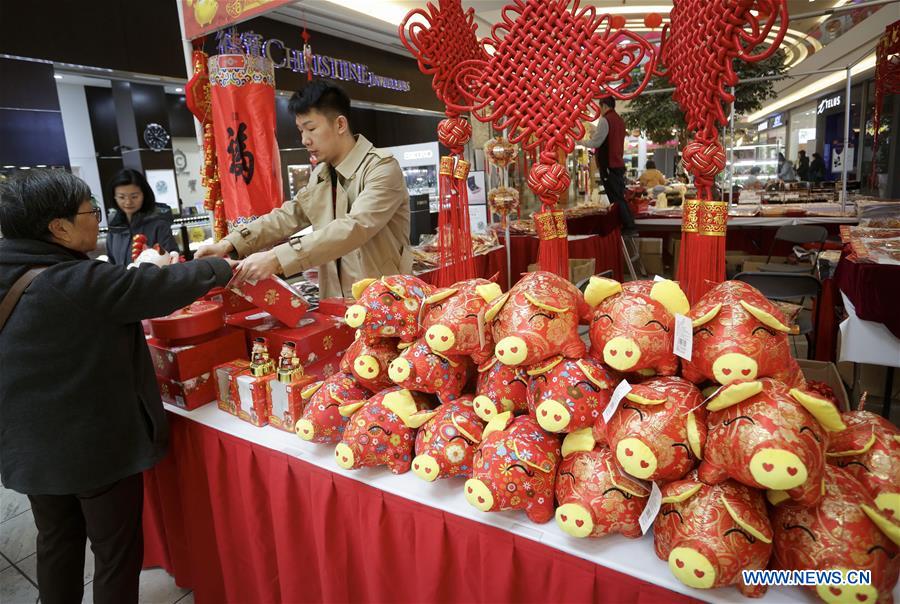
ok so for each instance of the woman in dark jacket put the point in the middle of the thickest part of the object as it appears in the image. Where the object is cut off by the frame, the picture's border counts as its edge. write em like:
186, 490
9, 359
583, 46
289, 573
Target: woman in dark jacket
137, 213
80, 412
817, 168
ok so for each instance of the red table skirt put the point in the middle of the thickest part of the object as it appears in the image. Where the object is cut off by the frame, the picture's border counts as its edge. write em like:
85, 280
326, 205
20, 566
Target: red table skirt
238, 522
873, 289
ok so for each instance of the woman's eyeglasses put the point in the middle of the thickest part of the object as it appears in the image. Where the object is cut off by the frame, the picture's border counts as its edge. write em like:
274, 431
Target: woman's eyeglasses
95, 212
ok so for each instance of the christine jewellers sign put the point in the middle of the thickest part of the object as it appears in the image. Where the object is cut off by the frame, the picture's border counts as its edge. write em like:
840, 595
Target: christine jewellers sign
322, 66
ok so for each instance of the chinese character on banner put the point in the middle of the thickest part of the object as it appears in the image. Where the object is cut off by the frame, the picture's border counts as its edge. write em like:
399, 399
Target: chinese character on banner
243, 103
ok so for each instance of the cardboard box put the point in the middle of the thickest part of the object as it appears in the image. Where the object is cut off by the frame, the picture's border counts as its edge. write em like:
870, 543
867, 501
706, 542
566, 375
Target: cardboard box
275, 296
184, 362
734, 260
579, 268
823, 371
252, 396
319, 339
224, 375
286, 404
188, 394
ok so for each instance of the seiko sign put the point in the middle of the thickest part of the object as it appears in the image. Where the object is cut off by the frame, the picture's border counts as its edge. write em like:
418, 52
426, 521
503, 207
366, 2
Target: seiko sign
826, 104
424, 154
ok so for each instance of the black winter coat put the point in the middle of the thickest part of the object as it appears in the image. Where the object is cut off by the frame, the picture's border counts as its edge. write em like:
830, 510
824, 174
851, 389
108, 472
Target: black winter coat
157, 226
79, 403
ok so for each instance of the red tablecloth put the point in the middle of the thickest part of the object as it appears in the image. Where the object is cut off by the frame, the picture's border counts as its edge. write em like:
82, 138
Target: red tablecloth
605, 250
486, 266
238, 522
874, 290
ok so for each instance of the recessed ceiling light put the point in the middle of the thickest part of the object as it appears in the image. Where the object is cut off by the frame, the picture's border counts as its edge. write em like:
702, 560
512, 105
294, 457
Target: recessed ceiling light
58, 77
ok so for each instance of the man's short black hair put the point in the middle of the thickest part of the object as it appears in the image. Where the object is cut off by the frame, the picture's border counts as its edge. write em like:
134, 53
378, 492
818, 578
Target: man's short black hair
608, 101
324, 96
133, 177
31, 199
651, 165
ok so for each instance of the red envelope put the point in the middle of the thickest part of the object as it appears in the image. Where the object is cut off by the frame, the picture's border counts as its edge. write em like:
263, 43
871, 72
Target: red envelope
275, 296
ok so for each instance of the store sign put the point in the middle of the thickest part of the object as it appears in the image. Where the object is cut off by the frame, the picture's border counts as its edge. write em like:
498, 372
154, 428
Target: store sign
762, 126
321, 66
423, 154
829, 103
777, 121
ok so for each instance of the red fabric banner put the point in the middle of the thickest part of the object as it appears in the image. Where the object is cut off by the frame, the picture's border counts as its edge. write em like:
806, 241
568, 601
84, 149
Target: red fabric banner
238, 522
243, 104
203, 16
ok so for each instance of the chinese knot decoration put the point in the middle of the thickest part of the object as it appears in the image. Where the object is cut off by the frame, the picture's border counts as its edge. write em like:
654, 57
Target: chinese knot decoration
704, 38
550, 65
887, 80
440, 38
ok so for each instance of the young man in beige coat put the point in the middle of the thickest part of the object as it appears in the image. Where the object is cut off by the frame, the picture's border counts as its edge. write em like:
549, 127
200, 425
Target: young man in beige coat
356, 202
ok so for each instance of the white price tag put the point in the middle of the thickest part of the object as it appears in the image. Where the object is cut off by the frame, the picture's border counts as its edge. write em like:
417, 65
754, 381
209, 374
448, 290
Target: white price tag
651, 510
684, 337
259, 315
657, 278
618, 394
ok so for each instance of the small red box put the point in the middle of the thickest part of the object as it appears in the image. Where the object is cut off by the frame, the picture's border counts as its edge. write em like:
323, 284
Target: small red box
188, 394
335, 306
325, 368
224, 375
320, 340
230, 301
193, 322
182, 362
285, 402
275, 296
252, 395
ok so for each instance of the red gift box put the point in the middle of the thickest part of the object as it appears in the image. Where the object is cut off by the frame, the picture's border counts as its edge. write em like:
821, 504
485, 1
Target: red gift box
335, 306
321, 339
285, 402
182, 362
230, 301
224, 375
193, 322
325, 368
252, 396
188, 394
274, 295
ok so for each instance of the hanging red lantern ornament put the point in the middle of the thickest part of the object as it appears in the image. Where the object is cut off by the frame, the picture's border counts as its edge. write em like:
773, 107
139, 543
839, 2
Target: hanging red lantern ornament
617, 21
704, 38
440, 38
307, 55
652, 20
887, 81
551, 64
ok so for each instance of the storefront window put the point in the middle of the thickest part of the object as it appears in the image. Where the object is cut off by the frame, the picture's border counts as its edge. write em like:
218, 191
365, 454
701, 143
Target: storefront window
802, 133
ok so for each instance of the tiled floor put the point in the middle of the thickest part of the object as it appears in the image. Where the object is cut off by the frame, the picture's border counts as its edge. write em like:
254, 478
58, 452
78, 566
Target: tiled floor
18, 561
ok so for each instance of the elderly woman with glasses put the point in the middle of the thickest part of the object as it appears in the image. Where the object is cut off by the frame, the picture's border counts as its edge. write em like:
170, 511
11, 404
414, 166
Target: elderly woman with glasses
136, 213
80, 412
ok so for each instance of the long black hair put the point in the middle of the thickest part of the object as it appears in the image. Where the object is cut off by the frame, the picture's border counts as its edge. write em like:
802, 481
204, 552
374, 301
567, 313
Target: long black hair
133, 177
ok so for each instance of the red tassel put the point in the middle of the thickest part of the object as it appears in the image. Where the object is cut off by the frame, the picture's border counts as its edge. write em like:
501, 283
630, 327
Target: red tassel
548, 179
454, 231
701, 263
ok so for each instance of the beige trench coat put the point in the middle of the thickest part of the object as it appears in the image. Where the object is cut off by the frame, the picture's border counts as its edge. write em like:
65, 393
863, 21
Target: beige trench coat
369, 231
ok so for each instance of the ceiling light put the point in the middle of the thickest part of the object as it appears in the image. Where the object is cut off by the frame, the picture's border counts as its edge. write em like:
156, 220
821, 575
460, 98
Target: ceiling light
179, 90
58, 77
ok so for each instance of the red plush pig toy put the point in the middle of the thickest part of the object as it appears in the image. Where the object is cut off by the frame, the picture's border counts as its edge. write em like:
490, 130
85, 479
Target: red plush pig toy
382, 430
658, 430
842, 532
633, 325
740, 335
390, 307
869, 449
596, 497
454, 319
322, 420
445, 445
500, 388
537, 319
767, 436
566, 395
369, 362
421, 369
514, 468
709, 534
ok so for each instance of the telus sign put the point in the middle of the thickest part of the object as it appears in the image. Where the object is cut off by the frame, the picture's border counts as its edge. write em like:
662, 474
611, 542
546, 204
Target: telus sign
830, 103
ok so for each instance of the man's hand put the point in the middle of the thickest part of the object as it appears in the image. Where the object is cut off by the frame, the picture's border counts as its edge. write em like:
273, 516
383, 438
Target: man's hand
220, 249
258, 266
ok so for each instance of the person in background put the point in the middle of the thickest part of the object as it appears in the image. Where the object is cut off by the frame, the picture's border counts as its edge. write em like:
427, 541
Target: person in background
356, 201
753, 181
802, 166
80, 406
609, 141
137, 213
786, 171
817, 168
652, 177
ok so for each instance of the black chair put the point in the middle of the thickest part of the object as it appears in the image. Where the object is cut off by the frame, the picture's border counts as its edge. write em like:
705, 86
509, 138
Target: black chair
797, 234
582, 285
790, 287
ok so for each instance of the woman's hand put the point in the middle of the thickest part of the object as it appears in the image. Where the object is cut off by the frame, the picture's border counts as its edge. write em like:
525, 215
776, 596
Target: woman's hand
258, 266
220, 249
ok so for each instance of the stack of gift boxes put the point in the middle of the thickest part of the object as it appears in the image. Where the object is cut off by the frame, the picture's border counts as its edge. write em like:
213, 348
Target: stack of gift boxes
290, 348
200, 352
